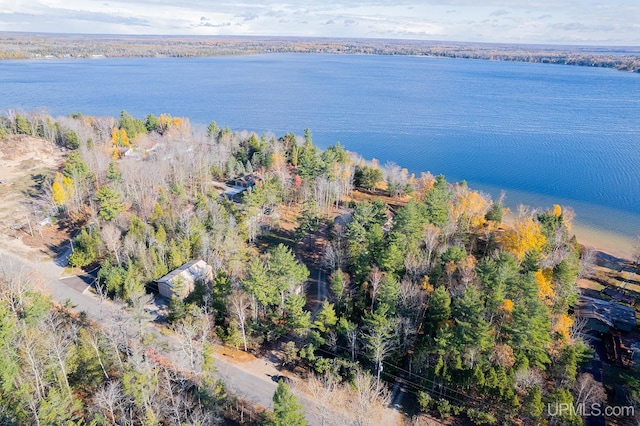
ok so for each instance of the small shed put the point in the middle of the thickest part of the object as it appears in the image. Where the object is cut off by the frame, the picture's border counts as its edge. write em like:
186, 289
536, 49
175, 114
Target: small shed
182, 281
605, 316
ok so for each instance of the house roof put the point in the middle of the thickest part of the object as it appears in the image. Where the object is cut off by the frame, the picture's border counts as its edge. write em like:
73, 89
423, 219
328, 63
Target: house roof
618, 295
612, 314
250, 178
193, 269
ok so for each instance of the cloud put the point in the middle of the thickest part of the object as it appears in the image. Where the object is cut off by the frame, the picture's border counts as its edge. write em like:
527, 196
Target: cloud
82, 15
212, 25
249, 17
534, 21
500, 12
579, 26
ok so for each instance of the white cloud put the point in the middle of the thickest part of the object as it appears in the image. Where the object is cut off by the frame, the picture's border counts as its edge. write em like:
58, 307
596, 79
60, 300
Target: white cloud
534, 21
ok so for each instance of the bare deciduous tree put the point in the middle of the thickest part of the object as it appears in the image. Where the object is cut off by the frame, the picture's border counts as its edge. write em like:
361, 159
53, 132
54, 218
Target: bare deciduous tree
352, 341
588, 391
111, 236
324, 389
411, 301
109, 397
240, 302
60, 336
526, 378
587, 262
375, 281
367, 399
577, 329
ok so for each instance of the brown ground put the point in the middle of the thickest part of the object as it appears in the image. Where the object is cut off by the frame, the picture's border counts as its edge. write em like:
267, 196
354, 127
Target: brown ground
25, 162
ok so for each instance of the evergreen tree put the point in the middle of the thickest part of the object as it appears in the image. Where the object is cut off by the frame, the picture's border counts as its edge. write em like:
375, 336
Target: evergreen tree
113, 173
298, 320
22, 125
109, 202
534, 407
85, 248
287, 411
495, 213
131, 125
470, 325
326, 318
439, 309
151, 123
437, 202
213, 131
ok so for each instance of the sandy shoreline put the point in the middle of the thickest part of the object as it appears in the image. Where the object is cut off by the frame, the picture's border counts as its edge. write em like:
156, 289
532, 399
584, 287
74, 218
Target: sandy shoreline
608, 242
612, 243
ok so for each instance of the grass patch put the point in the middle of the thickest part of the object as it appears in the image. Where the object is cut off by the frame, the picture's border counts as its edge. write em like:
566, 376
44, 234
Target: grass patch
590, 284
70, 271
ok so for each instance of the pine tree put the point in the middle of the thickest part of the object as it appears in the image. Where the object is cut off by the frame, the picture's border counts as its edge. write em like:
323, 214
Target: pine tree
287, 410
109, 202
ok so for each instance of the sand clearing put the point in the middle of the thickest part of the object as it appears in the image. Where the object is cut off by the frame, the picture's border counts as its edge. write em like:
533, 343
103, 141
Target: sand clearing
23, 160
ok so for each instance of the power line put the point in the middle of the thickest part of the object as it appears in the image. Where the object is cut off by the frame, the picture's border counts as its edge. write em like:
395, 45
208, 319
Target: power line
449, 392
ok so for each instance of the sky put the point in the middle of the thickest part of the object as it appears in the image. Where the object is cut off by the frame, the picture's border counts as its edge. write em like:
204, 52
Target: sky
588, 22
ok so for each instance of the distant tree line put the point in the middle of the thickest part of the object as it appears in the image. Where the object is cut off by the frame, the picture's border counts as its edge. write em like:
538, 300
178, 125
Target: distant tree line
29, 46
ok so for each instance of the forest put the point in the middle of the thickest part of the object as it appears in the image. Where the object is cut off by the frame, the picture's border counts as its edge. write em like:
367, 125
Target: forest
362, 276
39, 46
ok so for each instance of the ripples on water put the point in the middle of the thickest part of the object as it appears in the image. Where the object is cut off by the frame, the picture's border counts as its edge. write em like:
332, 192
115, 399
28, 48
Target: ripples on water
544, 133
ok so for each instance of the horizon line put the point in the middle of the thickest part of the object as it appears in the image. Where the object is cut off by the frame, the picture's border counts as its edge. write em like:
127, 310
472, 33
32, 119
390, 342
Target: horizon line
306, 37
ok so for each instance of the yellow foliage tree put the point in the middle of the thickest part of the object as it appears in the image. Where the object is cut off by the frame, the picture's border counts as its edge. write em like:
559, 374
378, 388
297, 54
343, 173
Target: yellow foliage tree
523, 236
469, 203
277, 161
119, 138
507, 306
61, 188
562, 327
557, 210
164, 122
546, 289
426, 285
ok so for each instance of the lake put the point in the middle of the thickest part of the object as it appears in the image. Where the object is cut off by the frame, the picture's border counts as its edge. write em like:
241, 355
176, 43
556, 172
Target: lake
543, 133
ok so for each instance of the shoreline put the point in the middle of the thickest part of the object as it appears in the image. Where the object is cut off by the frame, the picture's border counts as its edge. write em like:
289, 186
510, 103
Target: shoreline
603, 241
24, 45
608, 242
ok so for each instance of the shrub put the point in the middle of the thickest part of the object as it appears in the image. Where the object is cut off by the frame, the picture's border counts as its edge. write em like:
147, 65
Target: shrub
424, 401
478, 417
444, 408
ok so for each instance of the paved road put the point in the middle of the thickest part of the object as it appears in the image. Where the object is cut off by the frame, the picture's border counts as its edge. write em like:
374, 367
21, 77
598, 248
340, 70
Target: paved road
73, 291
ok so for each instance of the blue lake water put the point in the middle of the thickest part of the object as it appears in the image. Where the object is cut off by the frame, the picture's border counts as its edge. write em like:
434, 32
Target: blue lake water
543, 133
